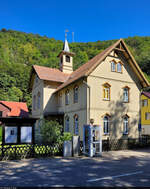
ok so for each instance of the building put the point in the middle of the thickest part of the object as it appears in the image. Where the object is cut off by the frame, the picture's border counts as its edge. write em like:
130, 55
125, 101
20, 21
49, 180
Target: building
16, 126
105, 89
13, 109
145, 112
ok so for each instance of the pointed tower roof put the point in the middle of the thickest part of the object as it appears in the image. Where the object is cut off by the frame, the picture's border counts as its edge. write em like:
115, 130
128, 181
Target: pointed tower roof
66, 46
66, 49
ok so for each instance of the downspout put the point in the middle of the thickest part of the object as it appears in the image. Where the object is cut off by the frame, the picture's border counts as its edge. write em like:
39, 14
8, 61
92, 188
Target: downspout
84, 82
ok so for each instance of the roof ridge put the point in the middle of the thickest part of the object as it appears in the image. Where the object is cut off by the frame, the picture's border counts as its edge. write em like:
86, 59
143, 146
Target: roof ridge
88, 67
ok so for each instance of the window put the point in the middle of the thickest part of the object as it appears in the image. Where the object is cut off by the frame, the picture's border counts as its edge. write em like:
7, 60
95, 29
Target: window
106, 91
67, 124
75, 94
67, 58
36, 79
67, 97
34, 102
76, 125
1, 113
106, 125
147, 115
144, 102
119, 67
126, 94
113, 66
60, 99
38, 100
125, 125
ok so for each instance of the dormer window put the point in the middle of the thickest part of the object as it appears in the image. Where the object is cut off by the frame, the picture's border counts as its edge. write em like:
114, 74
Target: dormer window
116, 66
113, 66
67, 58
119, 67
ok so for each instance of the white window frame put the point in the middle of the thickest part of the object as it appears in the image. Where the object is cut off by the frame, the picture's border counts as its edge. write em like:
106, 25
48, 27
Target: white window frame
106, 91
147, 115
119, 67
125, 94
144, 102
125, 125
113, 66
106, 125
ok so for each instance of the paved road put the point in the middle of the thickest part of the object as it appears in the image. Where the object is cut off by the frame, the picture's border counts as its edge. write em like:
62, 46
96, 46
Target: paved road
121, 168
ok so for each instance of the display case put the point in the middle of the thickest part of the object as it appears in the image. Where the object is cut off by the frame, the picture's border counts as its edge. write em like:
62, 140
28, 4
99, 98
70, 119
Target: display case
92, 140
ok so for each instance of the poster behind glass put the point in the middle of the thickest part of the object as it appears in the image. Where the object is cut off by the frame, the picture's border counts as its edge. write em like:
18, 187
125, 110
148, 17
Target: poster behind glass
10, 134
26, 134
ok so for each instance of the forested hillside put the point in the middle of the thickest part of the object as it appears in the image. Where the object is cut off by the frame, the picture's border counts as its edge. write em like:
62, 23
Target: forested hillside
19, 51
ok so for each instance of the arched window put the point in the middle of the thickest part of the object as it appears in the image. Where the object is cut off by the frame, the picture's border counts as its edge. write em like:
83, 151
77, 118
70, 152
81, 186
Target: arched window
60, 99
125, 124
36, 79
76, 94
67, 124
119, 67
38, 100
113, 66
106, 125
67, 58
106, 91
126, 94
76, 125
34, 102
67, 97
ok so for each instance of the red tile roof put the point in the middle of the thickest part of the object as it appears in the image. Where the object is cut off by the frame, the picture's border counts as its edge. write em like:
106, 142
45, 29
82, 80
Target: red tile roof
16, 108
50, 74
146, 94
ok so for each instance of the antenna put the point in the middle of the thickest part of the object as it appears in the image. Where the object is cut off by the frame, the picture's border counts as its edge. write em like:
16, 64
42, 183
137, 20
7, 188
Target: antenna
72, 36
66, 31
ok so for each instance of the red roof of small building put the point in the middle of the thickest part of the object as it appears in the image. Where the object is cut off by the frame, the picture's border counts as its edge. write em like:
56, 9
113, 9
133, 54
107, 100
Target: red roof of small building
146, 94
17, 109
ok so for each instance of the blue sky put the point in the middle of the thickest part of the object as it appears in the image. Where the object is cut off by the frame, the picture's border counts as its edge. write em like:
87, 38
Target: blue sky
90, 20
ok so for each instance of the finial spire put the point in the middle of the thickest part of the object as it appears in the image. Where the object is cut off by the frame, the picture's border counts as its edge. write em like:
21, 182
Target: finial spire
66, 46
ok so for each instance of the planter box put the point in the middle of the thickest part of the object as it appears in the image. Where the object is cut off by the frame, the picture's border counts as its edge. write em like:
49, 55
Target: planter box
67, 148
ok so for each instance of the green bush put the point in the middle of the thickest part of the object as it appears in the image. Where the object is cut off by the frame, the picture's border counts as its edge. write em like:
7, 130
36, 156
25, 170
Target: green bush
51, 132
66, 136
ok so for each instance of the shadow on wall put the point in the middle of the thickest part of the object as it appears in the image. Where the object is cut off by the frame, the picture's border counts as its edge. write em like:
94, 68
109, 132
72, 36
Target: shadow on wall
51, 105
118, 110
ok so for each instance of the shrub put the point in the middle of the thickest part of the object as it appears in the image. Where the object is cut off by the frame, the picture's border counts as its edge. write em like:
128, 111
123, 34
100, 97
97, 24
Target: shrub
51, 132
66, 136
